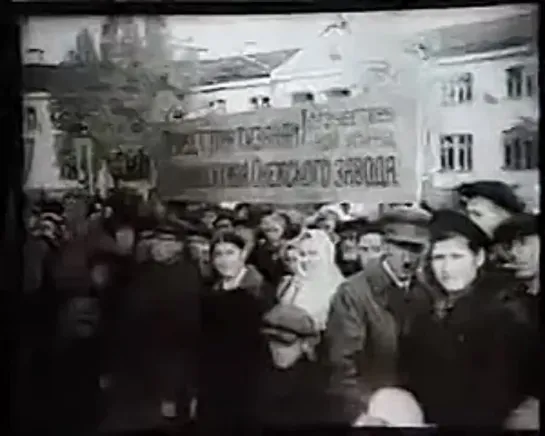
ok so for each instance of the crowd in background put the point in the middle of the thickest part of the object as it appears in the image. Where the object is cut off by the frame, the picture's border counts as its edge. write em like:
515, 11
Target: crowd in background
141, 315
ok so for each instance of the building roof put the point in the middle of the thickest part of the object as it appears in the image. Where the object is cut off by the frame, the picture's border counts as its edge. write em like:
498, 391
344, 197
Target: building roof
481, 37
251, 66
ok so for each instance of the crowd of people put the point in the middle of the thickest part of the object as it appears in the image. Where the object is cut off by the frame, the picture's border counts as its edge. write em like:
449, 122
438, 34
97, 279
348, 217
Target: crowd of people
141, 315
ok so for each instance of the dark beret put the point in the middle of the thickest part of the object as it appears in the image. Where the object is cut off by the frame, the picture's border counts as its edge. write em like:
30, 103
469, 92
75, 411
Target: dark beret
288, 323
447, 221
499, 193
229, 237
518, 226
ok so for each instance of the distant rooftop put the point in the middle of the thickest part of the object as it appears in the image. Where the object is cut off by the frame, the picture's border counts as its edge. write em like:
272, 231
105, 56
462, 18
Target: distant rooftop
251, 66
481, 37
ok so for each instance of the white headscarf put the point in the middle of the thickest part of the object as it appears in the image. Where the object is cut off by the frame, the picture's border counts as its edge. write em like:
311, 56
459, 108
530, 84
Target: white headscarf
313, 291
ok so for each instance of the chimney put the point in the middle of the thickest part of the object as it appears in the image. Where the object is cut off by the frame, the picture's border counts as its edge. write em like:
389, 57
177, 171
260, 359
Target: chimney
34, 56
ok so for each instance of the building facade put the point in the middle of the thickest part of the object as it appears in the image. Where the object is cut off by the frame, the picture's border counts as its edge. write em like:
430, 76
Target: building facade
481, 113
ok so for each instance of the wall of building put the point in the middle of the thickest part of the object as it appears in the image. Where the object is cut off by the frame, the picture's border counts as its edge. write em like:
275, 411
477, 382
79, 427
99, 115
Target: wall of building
490, 113
236, 94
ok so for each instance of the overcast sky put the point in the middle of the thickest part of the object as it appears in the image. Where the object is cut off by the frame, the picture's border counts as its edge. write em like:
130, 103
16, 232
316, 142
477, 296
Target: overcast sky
228, 35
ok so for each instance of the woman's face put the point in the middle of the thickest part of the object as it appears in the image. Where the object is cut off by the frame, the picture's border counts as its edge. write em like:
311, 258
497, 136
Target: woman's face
272, 228
292, 259
454, 264
310, 260
228, 259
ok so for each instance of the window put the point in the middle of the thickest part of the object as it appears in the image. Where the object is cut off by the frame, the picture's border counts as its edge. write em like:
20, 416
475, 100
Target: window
302, 97
520, 82
521, 150
457, 90
337, 93
31, 119
254, 102
262, 101
456, 152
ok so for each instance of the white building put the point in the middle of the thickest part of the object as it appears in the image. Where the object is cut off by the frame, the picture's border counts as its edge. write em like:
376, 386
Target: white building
237, 83
481, 108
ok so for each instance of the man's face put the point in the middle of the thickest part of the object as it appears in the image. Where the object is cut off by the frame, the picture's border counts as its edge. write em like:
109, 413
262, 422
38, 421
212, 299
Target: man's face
100, 274
228, 259
454, 264
285, 355
487, 215
208, 218
163, 250
370, 246
526, 252
403, 257
223, 224
125, 239
349, 246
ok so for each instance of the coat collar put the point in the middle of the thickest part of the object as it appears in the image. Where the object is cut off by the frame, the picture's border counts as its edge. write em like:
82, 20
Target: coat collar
250, 279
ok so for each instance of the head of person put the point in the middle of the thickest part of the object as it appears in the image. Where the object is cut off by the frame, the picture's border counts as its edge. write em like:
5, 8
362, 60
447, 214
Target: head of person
273, 226
406, 237
370, 244
520, 234
327, 221
101, 267
125, 238
349, 232
291, 335
316, 252
242, 211
247, 232
209, 216
223, 221
291, 256
228, 254
457, 250
488, 203
165, 245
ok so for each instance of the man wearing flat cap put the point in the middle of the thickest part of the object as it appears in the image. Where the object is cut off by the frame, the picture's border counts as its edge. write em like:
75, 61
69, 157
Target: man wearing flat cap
151, 359
368, 310
521, 235
296, 379
489, 203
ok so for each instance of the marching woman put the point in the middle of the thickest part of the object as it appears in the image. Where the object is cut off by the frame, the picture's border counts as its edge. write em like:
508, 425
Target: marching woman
232, 349
295, 380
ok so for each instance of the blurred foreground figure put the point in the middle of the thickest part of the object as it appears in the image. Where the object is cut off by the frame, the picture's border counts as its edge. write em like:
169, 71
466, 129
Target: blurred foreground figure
150, 367
391, 407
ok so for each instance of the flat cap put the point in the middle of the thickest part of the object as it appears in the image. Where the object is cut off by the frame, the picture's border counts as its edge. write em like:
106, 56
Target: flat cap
499, 193
405, 224
518, 226
447, 221
405, 215
287, 323
356, 225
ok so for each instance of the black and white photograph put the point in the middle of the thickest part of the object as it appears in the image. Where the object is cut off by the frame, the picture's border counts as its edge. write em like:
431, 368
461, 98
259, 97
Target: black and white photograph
248, 222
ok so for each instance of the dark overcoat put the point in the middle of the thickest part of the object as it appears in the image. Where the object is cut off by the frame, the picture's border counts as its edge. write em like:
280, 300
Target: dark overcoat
465, 364
232, 353
366, 317
150, 359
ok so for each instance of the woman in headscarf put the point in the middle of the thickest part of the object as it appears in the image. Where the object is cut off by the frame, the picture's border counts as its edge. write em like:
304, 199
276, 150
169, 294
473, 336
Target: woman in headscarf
295, 381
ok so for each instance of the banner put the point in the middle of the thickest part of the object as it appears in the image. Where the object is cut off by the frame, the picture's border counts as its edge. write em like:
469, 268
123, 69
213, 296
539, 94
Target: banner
359, 150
